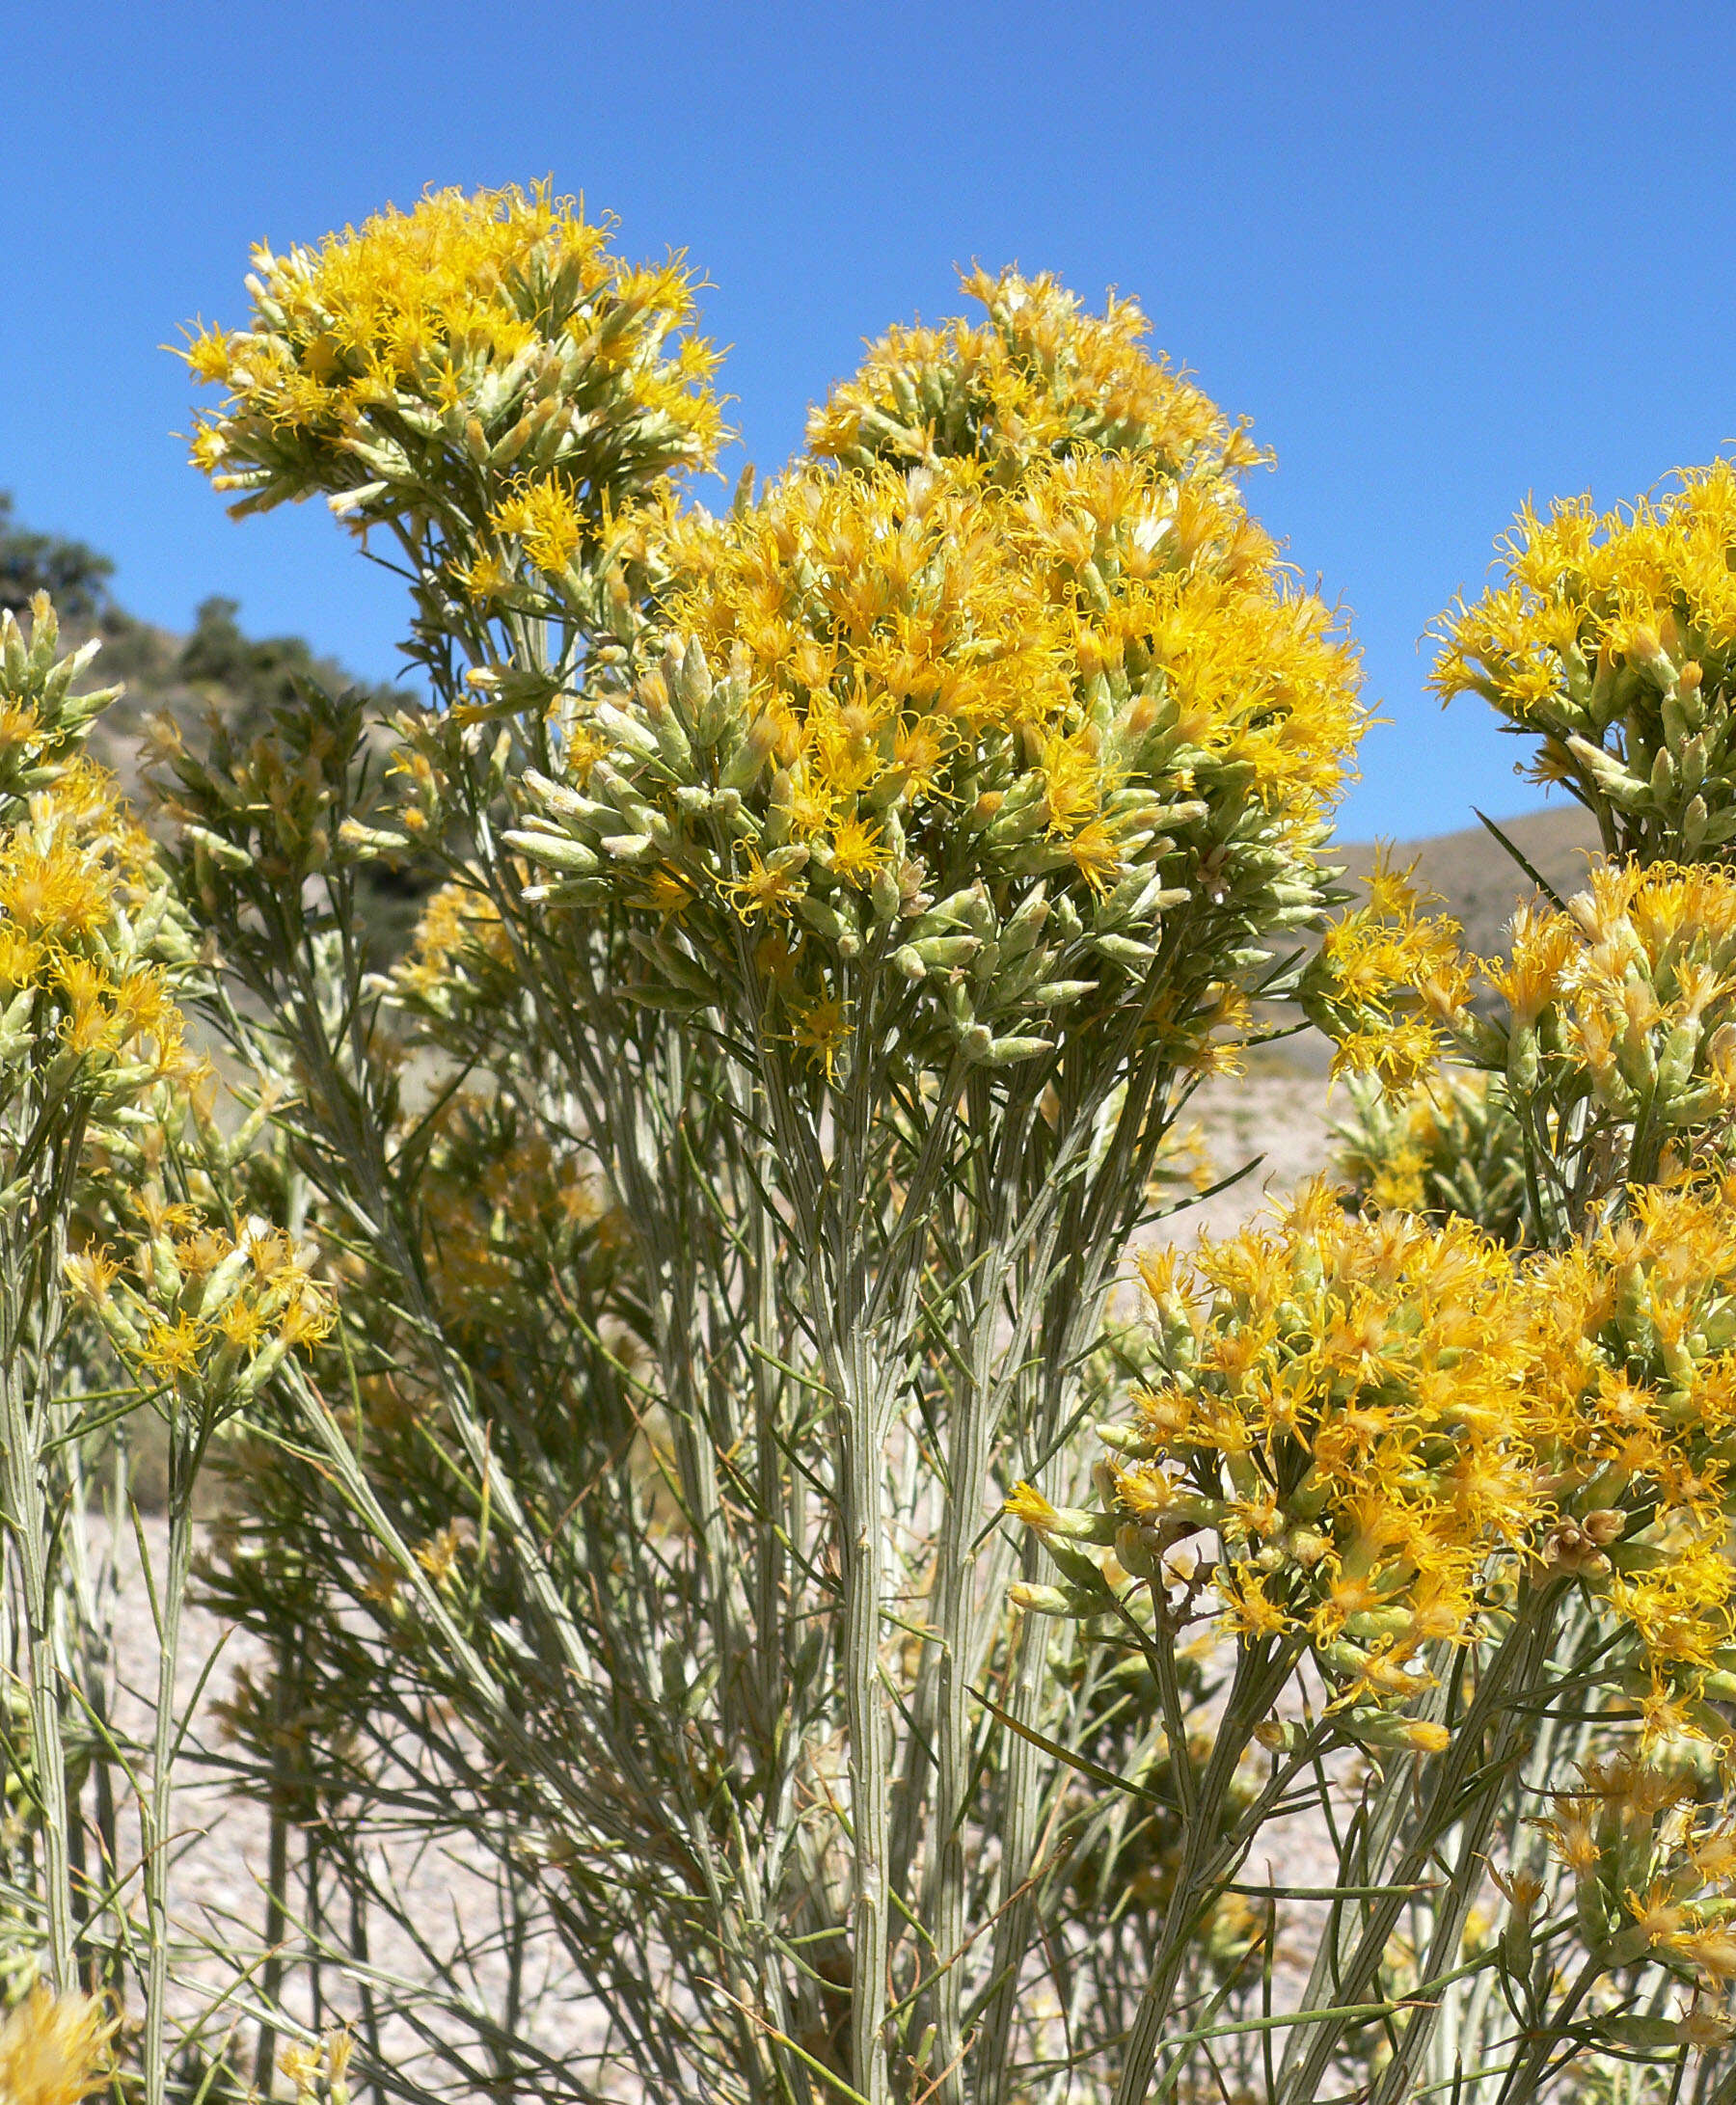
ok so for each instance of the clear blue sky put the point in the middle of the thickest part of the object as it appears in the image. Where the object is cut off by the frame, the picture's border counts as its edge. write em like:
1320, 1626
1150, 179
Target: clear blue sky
1442, 257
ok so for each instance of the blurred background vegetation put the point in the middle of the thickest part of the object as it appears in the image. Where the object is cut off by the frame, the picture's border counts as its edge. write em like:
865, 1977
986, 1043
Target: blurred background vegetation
218, 671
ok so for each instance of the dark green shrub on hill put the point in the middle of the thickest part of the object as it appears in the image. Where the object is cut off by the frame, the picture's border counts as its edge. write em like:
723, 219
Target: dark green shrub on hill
74, 576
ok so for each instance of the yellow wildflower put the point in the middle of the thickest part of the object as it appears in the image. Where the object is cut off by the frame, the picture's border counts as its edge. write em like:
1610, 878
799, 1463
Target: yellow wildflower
763, 888
171, 1349
54, 2049
543, 517
822, 1030
857, 850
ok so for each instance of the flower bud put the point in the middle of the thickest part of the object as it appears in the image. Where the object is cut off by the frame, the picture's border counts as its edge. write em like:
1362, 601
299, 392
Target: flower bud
743, 769
1058, 1601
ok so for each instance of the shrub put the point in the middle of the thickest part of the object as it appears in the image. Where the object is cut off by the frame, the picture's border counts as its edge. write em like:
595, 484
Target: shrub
1450, 1479
861, 880
656, 1423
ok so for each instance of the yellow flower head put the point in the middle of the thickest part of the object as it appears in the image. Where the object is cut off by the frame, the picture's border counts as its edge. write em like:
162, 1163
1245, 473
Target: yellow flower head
490, 345
821, 1031
544, 519
1343, 1405
857, 850
1611, 637
54, 2049
1039, 374
1027, 1504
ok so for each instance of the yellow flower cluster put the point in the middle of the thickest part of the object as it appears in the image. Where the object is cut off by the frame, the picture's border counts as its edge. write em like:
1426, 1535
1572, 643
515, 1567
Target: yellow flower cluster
481, 370
1635, 1362
1001, 732
43, 720
1634, 987
88, 931
200, 1312
89, 939
1612, 636
503, 1214
1450, 1145
1387, 982
1039, 376
1654, 1874
1341, 1408
460, 969
55, 2049
1370, 1434
1611, 1024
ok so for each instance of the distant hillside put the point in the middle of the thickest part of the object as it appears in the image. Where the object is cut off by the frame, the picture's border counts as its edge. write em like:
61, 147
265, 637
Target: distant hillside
218, 668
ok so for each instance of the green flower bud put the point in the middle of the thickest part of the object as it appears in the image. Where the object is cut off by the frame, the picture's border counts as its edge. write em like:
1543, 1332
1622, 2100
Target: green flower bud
1057, 1601
554, 850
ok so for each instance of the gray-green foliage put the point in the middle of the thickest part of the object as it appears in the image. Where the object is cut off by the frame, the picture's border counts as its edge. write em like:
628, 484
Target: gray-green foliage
1449, 1145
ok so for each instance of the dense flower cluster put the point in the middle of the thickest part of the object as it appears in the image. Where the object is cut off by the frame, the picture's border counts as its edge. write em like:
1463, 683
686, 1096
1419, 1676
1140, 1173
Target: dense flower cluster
1613, 638
1382, 1430
1384, 980
1653, 1873
503, 1215
1339, 1407
1005, 734
1635, 1364
1036, 377
480, 373
83, 913
208, 1313
1633, 985
91, 937
1611, 1023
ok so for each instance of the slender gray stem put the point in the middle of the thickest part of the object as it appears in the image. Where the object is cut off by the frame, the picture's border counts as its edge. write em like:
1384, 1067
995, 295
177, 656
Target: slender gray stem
158, 1811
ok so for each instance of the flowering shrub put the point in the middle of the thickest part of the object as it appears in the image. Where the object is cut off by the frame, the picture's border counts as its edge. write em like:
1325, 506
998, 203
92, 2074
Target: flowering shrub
861, 880
1448, 1476
1377, 1449
1611, 643
104, 1131
647, 1334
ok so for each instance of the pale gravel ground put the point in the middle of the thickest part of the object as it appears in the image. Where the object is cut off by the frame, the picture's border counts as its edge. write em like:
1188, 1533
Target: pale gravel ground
1279, 1114
221, 1843
1272, 1117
